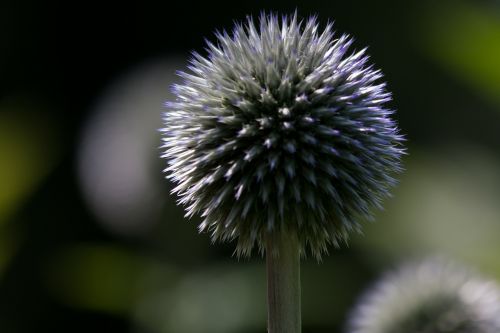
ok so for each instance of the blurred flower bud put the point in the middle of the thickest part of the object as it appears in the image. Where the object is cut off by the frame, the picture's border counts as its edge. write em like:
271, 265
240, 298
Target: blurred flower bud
434, 296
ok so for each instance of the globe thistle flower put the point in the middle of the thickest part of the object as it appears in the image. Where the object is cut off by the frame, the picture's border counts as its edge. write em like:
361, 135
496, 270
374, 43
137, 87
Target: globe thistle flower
280, 128
434, 296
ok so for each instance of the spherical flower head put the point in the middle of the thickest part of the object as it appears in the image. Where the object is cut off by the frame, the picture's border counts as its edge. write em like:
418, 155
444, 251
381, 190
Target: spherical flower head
280, 128
434, 296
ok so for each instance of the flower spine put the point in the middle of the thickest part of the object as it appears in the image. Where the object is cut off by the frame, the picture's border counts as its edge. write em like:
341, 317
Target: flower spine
280, 128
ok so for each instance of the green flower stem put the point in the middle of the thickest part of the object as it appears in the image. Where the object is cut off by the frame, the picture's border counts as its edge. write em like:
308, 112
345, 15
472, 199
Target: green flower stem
283, 283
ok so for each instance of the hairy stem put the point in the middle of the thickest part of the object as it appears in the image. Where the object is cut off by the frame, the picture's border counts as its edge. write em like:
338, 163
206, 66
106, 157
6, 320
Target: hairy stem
283, 283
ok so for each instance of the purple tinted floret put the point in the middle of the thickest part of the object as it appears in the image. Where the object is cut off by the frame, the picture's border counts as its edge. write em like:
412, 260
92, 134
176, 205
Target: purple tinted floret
281, 128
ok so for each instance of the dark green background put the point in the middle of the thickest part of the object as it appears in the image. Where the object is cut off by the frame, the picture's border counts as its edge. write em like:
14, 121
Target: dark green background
61, 270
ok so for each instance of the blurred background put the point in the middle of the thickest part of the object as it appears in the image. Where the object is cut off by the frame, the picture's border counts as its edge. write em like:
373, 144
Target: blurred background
90, 239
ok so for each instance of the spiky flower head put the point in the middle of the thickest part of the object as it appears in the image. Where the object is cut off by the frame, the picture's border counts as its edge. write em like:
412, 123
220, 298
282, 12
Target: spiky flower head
280, 128
433, 296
